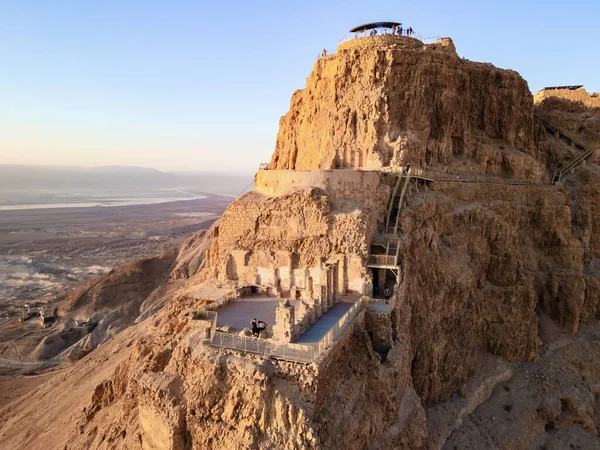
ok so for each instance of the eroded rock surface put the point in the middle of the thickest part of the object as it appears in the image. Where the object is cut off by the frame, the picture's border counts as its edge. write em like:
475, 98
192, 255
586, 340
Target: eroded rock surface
494, 339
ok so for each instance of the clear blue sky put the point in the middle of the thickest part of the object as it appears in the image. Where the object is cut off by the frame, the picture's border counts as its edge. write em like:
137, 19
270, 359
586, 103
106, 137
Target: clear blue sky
199, 85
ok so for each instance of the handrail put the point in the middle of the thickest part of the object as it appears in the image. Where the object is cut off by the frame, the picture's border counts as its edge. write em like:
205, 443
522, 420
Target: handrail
400, 201
392, 198
389, 303
288, 351
572, 162
366, 33
381, 260
340, 324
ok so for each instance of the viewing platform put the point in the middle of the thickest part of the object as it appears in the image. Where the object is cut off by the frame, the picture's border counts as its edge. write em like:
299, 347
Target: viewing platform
315, 340
388, 33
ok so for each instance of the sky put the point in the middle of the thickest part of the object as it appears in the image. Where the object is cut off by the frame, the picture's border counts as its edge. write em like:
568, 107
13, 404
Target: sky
198, 85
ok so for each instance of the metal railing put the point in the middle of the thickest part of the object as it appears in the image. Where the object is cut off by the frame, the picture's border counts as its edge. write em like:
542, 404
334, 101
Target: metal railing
384, 305
269, 349
247, 344
380, 305
366, 33
340, 324
381, 260
584, 152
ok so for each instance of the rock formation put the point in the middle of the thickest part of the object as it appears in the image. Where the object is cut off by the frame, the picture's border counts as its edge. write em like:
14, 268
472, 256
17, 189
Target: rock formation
386, 101
492, 340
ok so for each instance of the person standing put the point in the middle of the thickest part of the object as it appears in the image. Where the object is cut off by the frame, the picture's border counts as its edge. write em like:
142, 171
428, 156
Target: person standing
255, 329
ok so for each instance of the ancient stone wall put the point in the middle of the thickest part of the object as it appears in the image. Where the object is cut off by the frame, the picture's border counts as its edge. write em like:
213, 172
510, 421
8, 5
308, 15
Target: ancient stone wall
282, 241
357, 185
578, 95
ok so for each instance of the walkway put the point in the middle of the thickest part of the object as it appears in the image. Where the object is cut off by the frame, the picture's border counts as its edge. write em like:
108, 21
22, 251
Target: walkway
320, 328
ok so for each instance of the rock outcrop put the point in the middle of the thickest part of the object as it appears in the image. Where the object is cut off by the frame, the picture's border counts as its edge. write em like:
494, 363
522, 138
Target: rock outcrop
493, 339
388, 101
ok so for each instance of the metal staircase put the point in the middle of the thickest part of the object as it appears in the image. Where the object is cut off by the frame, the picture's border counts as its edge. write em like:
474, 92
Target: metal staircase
385, 247
584, 152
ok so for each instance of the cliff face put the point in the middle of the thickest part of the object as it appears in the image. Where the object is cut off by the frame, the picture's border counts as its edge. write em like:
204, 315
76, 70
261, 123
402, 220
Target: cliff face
479, 261
388, 101
494, 338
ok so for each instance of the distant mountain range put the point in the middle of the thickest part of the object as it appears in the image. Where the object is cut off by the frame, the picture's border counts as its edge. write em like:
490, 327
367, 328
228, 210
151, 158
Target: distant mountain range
115, 178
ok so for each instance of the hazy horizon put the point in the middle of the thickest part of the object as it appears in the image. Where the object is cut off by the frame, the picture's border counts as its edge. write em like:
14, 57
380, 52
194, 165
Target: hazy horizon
248, 172
203, 84
39, 185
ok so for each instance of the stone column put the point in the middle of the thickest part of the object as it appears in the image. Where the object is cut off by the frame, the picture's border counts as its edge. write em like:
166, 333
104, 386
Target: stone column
284, 329
321, 295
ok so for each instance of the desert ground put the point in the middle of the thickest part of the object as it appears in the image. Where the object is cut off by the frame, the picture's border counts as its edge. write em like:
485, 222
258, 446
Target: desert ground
46, 252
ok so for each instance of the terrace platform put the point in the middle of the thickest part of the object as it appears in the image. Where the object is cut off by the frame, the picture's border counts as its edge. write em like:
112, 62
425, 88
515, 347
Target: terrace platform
240, 312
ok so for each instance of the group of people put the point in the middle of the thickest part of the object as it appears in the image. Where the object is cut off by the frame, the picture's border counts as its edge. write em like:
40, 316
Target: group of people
257, 327
396, 30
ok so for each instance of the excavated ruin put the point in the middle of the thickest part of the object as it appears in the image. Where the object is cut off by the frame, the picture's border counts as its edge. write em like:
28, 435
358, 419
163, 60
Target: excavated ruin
489, 248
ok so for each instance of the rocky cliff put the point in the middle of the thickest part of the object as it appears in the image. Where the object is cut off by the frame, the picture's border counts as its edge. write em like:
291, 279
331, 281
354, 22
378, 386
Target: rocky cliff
388, 101
493, 342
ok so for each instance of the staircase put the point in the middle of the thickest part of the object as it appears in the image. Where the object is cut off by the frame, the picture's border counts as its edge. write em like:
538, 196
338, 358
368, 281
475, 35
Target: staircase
385, 247
395, 205
584, 152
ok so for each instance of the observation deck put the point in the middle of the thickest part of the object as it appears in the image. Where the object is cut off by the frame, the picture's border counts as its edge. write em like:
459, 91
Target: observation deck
389, 33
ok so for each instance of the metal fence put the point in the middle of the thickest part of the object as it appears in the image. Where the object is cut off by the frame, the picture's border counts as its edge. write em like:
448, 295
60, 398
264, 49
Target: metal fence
384, 306
295, 352
382, 260
269, 349
381, 32
332, 333
234, 341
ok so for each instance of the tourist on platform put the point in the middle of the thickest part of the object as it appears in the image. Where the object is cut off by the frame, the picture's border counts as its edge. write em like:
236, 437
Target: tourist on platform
400, 30
393, 29
407, 168
257, 327
387, 293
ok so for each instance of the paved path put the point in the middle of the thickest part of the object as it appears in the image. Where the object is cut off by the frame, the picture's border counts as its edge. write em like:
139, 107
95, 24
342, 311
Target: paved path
324, 324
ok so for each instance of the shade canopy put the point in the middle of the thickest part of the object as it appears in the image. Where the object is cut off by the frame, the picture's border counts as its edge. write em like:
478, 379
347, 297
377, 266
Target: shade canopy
570, 88
370, 26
